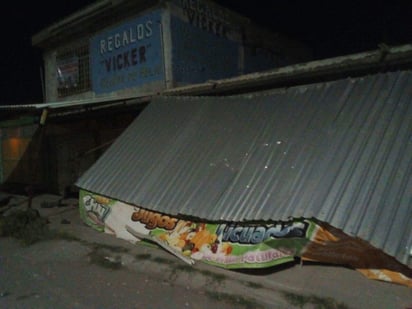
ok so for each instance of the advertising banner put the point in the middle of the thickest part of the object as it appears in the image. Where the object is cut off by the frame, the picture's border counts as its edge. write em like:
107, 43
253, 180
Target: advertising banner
240, 245
127, 56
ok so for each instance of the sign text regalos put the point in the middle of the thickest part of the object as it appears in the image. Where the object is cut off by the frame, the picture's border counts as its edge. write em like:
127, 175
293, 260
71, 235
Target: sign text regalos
128, 55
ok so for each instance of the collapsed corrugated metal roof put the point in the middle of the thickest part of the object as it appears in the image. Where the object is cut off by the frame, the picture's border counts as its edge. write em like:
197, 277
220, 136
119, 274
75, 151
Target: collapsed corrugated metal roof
66, 108
340, 152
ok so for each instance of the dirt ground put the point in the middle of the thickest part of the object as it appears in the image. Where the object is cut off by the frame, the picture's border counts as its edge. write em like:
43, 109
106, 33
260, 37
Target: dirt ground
82, 268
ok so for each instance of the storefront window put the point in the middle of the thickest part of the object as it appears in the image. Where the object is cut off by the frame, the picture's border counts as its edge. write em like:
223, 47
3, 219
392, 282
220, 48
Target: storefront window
73, 71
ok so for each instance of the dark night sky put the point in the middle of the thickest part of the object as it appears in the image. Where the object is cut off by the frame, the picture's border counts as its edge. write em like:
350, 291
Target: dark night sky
330, 28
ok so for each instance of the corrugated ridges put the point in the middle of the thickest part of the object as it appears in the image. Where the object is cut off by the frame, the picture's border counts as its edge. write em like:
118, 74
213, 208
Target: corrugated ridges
339, 151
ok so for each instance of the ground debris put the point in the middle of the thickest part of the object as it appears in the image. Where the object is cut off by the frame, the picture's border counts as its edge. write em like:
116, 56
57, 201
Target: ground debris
26, 225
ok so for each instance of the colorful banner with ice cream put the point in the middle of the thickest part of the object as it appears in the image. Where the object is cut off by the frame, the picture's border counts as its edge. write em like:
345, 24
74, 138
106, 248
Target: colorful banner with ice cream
240, 245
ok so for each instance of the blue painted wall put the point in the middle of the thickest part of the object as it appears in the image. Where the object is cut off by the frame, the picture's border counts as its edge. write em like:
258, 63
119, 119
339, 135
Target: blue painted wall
198, 56
257, 59
129, 55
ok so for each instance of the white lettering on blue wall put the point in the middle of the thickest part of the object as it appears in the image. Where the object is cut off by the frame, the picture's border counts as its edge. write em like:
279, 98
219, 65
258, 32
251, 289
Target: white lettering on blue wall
206, 16
126, 37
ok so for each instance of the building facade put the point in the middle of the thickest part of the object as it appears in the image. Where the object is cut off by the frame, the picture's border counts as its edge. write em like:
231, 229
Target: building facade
133, 49
102, 65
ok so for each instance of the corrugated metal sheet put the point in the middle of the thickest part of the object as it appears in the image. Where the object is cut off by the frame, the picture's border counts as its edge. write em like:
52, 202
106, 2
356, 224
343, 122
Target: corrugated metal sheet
340, 152
78, 103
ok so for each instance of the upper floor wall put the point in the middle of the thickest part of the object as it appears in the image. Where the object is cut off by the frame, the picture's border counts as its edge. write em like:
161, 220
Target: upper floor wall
127, 49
